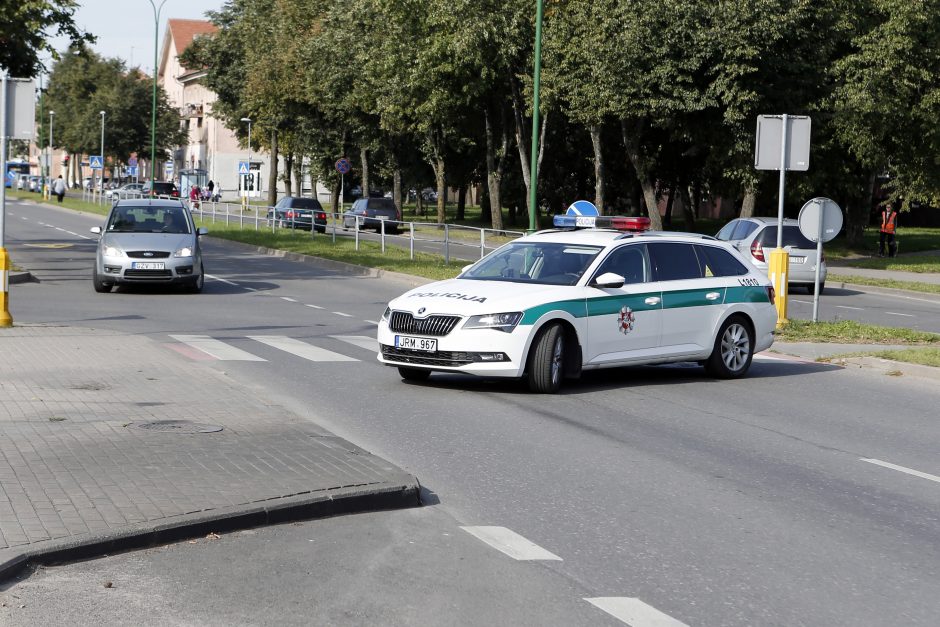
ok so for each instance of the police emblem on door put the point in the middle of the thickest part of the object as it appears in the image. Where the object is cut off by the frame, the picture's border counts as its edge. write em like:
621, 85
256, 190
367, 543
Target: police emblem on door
626, 320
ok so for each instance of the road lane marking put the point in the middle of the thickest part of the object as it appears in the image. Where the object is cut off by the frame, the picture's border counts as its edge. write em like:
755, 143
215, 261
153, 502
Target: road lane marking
218, 278
893, 313
345, 315
300, 349
909, 471
372, 322
511, 543
634, 612
289, 299
847, 307
314, 306
215, 348
362, 341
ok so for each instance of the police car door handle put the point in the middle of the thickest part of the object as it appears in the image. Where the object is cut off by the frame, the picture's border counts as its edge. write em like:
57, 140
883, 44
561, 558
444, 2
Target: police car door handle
713, 295
653, 300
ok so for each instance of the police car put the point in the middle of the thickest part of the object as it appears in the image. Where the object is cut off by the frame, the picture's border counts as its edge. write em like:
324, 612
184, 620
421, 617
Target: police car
595, 292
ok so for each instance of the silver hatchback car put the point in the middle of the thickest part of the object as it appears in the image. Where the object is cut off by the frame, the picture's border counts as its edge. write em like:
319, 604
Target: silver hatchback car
148, 241
756, 237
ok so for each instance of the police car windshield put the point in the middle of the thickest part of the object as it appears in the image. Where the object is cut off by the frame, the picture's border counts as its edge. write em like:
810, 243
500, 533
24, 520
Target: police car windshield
551, 263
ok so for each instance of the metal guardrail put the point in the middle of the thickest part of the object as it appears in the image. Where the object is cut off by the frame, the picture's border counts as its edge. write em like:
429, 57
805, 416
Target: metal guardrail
396, 232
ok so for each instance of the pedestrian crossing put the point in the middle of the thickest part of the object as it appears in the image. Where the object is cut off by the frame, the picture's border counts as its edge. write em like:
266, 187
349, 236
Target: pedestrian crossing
201, 347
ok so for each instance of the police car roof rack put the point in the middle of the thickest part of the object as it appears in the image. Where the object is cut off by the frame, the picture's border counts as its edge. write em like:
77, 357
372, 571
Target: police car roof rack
669, 234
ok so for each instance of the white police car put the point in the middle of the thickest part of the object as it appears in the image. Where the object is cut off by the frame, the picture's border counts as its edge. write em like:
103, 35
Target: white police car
554, 303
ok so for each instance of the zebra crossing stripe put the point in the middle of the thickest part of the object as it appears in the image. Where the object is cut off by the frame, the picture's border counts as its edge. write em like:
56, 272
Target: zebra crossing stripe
362, 341
215, 348
300, 349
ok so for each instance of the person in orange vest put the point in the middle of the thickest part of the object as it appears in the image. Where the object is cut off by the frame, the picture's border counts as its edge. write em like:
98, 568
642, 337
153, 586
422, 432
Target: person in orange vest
889, 226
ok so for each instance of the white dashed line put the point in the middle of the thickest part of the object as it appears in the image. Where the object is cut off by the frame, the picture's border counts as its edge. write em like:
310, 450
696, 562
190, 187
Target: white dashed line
289, 299
216, 278
372, 322
910, 471
314, 306
894, 313
362, 341
345, 315
847, 307
511, 543
215, 348
634, 612
300, 349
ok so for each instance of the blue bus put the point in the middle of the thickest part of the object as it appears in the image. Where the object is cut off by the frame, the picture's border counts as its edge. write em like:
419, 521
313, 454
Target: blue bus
14, 168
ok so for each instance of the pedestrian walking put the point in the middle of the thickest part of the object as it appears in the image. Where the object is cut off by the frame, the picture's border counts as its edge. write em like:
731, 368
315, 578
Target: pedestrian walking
194, 197
211, 187
58, 188
889, 227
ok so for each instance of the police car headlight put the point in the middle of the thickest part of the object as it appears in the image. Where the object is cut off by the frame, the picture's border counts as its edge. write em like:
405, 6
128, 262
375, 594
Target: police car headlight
387, 314
113, 251
185, 251
501, 321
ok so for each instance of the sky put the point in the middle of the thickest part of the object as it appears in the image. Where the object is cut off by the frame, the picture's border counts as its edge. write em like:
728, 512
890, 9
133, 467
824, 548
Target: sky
125, 27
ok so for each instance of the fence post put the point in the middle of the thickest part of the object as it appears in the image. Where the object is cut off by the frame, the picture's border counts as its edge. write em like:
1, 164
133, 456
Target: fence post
446, 244
335, 217
382, 227
411, 245
482, 243
357, 232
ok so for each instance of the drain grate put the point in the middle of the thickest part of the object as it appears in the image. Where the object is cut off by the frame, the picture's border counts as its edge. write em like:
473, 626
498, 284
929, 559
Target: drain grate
178, 426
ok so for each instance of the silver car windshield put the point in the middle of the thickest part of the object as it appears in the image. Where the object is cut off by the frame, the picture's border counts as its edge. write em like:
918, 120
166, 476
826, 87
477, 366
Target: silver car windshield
148, 220
551, 263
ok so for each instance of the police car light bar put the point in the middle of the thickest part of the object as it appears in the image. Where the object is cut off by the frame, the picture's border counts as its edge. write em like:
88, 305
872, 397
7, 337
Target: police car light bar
619, 223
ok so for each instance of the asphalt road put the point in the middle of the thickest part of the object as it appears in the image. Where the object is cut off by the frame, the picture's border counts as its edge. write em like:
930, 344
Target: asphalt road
803, 494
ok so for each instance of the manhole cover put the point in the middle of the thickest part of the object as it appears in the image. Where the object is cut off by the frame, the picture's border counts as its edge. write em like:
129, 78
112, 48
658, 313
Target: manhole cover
179, 426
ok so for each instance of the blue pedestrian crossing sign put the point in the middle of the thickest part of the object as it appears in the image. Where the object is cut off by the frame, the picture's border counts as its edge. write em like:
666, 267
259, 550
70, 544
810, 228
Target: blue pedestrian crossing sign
132, 170
95, 161
243, 167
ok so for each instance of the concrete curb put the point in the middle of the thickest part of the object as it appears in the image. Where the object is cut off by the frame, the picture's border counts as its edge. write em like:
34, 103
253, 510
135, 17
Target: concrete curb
342, 267
889, 366
340, 501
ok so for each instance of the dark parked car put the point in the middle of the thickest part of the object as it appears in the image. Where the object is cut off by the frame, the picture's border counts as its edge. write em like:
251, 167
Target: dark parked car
298, 213
166, 189
371, 213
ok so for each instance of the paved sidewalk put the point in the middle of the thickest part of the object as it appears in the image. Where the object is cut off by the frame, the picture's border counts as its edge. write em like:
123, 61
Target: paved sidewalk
90, 465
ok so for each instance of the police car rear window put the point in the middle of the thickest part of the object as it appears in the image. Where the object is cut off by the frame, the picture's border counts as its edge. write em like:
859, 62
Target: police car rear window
719, 262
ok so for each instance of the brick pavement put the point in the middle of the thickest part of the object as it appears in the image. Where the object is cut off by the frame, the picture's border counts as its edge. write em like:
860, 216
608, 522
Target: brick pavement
75, 463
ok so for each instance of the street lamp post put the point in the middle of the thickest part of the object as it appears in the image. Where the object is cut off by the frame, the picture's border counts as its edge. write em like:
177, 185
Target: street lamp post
101, 182
153, 108
248, 120
51, 126
534, 165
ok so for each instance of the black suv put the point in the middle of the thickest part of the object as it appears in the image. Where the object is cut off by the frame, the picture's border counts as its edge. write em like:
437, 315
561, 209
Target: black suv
298, 213
370, 213
166, 189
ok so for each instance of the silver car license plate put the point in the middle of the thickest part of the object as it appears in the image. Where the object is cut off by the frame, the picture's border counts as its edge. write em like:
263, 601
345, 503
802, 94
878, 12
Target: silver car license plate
797, 259
147, 265
423, 344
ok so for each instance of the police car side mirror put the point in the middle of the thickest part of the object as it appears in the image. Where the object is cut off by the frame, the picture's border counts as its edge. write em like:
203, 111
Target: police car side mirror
96, 230
609, 279
466, 267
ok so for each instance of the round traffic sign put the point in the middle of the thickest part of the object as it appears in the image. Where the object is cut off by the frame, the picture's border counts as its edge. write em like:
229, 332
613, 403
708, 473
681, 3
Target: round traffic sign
343, 166
820, 219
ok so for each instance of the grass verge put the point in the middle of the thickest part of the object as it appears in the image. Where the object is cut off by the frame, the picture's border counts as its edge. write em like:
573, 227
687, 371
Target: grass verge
851, 332
912, 263
913, 286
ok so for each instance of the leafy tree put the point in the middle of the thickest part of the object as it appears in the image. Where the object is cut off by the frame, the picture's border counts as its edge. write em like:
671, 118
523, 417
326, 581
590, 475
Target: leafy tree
26, 28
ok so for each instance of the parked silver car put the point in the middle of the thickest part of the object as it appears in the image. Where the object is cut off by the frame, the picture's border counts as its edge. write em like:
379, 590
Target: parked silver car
370, 213
127, 190
756, 237
148, 241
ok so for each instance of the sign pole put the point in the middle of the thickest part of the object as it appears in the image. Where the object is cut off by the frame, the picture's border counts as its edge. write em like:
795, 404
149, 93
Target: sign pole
5, 319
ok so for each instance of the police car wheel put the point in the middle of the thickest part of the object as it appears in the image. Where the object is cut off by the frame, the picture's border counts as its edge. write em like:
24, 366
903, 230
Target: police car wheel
733, 351
546, 361
413, 374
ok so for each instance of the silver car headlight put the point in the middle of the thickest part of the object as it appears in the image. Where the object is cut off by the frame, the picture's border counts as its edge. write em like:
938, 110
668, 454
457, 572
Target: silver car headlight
113, 251
505, 322
185, 251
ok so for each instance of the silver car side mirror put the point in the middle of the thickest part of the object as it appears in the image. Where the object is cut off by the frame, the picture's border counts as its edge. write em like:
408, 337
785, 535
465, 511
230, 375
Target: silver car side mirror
96, 230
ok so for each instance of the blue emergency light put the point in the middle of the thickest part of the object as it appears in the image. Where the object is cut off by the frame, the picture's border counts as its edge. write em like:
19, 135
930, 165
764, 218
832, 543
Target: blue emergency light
582, 214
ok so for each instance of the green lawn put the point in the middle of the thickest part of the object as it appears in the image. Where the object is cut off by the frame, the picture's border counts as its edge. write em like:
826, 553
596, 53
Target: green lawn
851, 332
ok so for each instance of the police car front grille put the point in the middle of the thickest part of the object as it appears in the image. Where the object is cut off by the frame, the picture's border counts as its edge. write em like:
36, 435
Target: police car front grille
440, 358
438, 326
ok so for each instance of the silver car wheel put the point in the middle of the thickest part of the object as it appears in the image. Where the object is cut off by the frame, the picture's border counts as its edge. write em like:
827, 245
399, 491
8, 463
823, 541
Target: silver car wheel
735, 347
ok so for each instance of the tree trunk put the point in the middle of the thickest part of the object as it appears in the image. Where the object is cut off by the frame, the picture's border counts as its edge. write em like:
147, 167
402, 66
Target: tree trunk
396, 190
631, 137
288, 168
272, 175
857, 215
419, 204
335, 197
461, 202
667, 218
494, 173
521, 140
299, 176
441, 190
364, 157
750, 200
688, 208
595, 131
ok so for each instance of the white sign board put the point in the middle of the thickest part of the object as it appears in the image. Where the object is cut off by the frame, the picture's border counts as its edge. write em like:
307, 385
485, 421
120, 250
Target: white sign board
21, 108
823, 227
767, 151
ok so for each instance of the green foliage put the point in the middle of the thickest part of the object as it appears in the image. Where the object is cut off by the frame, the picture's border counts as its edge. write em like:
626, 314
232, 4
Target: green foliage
26, 27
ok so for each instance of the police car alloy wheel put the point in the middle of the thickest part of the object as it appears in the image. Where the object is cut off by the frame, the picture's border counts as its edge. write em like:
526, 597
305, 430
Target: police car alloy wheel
596, 292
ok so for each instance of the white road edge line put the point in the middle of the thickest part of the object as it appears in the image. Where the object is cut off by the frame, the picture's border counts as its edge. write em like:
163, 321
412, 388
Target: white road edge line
218, 278
909, 471
847, 307
511, 543
289, 299
372, 322
345, 315
893, 313
314, 306
634, 612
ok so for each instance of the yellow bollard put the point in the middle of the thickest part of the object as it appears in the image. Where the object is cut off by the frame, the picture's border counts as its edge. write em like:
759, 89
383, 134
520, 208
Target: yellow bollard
6, 320
777, 269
